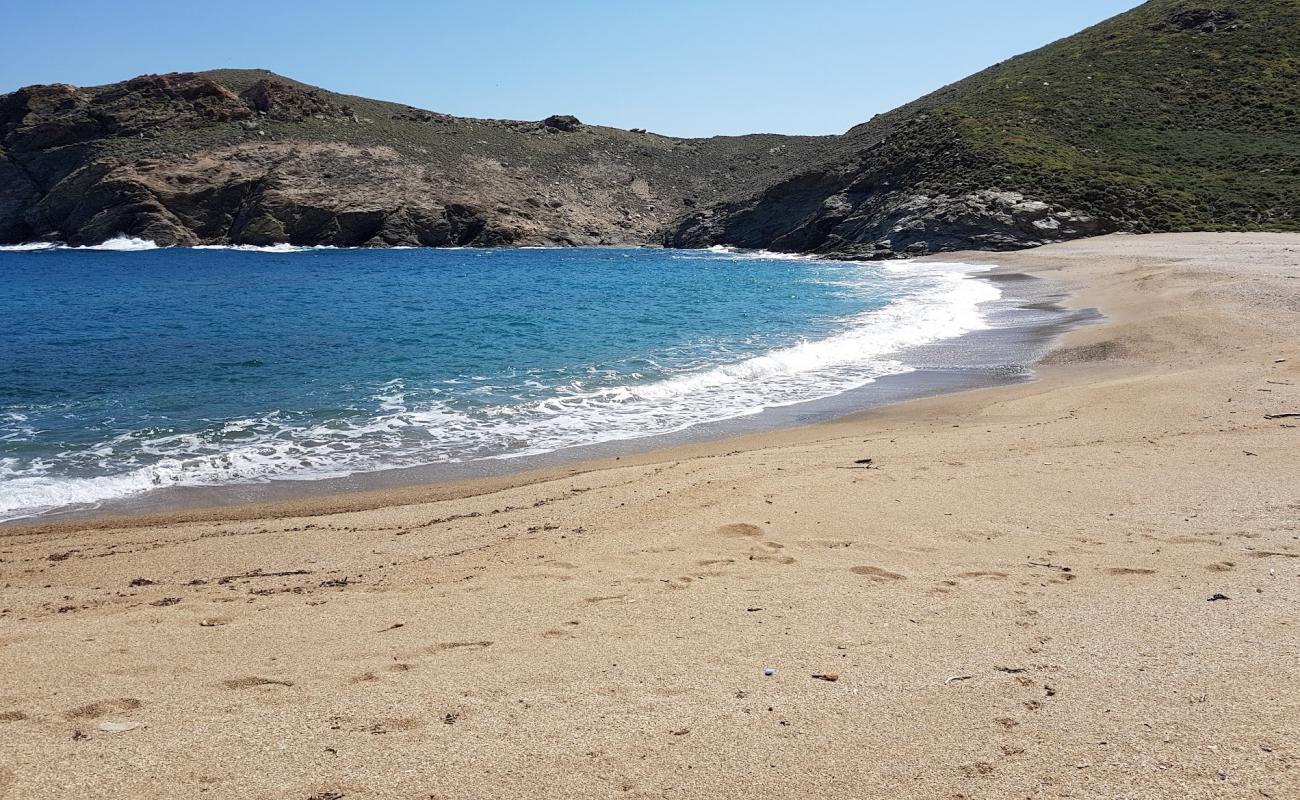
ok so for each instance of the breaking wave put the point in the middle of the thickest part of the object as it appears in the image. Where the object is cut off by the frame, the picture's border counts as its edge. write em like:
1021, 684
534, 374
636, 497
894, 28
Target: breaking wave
118, 244
122, 244
404, 426
130, 244
270, 248
29, 247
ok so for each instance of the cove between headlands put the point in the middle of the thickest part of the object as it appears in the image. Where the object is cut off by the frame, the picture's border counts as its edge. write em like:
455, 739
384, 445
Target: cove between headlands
933, 327
1087, 578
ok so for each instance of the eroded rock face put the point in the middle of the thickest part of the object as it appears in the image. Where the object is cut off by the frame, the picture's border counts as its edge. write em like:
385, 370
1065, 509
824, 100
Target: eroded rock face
562, 122
285, 102
891, 224
236, 195
984, 220
246, 157
44, 117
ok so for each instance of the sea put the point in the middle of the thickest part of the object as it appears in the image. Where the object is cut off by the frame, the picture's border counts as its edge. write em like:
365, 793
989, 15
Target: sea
127, 369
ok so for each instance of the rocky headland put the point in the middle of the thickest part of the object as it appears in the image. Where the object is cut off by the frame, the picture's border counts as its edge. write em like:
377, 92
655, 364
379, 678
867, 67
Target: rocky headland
1170, 117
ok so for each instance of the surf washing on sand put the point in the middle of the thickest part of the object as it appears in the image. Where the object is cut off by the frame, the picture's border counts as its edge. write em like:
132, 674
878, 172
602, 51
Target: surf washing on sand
130, 368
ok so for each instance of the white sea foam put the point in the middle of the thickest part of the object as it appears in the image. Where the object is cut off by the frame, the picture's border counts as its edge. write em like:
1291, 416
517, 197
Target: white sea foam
121, 244
283, 247
938, 301
737, 254
28, 247
130, 244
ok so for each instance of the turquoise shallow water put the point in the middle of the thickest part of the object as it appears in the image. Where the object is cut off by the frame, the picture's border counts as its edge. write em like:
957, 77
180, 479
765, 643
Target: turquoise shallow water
129, 369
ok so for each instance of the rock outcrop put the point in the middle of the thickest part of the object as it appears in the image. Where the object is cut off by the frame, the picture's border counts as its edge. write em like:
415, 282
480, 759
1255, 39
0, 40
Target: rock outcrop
900, 224
47, 117
247, 157
1201, 20
288, 103
565, 123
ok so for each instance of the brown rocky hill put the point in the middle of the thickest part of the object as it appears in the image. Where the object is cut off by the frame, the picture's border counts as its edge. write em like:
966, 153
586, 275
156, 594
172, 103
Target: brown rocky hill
245, 156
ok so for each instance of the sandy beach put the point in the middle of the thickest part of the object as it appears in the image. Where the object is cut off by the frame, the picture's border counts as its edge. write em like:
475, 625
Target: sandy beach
1083, 586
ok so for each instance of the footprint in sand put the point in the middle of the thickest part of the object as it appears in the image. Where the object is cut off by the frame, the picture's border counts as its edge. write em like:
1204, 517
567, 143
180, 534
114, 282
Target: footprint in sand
977, 770
1222, 566
544, 576
251, 681
437, 648
102, 708
740, 530
12, 716
759, 553
877, 574
390, 725
1190, 540
828, 544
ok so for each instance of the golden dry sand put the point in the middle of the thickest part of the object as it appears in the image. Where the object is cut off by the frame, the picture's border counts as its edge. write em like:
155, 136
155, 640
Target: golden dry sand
1015, 600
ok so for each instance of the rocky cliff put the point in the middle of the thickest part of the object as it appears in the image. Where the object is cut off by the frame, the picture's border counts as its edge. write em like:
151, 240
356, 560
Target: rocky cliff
1174, 116
244, 156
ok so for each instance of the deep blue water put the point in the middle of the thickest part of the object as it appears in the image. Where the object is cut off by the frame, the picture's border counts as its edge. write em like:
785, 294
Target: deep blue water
122, 371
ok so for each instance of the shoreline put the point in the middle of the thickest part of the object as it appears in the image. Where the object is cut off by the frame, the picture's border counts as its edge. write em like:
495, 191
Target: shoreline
1025, 327
1081, 586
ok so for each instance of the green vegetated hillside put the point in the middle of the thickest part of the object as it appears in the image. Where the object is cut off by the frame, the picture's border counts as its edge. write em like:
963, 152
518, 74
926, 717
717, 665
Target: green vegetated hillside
1174, 116
1178, 115
1171, 117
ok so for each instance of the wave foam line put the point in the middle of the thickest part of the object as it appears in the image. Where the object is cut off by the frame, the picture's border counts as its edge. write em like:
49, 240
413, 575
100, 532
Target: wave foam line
27, 247
118, 244
947, 305
121, 244
131, 244
283, 247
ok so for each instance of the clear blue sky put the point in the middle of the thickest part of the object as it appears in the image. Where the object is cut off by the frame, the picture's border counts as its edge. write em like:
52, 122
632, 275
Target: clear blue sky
674, 66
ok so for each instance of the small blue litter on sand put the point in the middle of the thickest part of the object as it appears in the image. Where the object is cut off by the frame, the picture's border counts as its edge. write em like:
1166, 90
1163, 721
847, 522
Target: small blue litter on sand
769, 672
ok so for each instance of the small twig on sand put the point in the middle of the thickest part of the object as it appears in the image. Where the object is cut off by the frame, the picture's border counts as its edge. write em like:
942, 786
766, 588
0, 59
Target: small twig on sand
1287, 415
956, 678
257, 573
1050, 565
